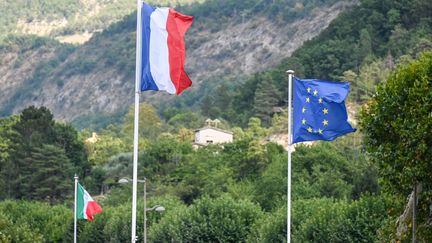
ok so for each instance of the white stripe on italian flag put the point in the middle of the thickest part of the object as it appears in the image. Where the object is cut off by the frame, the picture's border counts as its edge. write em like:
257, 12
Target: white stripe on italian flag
86, 206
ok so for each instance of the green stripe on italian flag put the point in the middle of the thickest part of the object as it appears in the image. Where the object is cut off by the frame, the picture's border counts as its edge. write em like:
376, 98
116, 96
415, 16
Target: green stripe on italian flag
86, 206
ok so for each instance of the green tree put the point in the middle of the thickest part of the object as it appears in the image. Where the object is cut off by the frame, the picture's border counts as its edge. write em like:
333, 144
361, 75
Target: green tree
266, 97
150, 125
397, 124
254, 129
327, 220
272, 227
206, 106
106, 146
203, 172
51, 174
186, 119
41, 151
66, 138
26, 221
34, 128
163, 156
271, 185
208, 220
6, 166
365, 44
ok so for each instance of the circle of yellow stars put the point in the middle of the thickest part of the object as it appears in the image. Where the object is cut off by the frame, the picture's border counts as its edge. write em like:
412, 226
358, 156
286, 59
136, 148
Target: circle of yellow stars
325, 111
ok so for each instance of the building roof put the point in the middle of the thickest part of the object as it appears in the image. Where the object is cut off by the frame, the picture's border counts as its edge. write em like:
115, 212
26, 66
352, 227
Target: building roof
214, 128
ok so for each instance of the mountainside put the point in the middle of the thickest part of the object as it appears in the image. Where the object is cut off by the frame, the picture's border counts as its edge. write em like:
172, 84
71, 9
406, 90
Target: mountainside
362, 46
98, 76
254, 44
69, 21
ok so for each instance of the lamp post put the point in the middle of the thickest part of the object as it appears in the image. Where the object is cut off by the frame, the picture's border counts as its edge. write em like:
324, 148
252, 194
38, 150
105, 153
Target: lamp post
156, 208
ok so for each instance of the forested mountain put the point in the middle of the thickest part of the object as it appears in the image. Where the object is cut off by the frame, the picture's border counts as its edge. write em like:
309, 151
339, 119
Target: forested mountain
66, 20
362, 46
228, 39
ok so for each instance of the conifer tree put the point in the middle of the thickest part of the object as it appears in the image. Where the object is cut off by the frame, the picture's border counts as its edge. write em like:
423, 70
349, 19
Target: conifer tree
266, 98
52, 173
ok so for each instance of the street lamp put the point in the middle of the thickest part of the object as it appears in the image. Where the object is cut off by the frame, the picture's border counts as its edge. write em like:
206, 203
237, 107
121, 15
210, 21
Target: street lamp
156, 208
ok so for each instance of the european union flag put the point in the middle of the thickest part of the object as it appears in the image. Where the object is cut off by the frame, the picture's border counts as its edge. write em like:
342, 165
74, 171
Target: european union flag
319, 110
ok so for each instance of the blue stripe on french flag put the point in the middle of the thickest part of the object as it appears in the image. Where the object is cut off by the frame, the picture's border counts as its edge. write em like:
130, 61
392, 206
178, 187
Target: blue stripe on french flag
163, 49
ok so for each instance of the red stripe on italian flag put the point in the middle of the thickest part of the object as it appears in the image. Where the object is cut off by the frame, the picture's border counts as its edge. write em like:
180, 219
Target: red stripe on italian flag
86, 206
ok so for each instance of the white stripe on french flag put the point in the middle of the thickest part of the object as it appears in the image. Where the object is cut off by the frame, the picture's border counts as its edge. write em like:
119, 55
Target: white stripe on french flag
163, 49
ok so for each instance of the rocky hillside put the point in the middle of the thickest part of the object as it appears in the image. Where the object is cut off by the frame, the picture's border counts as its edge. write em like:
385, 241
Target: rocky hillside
98, 76
253, 45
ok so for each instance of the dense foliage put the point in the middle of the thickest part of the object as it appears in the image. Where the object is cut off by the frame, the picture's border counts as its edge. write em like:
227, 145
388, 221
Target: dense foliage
39, 155
231, 193
397, 124
377, 28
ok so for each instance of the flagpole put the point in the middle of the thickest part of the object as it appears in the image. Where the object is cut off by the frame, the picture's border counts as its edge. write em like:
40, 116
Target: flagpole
290, 75
136, 119
75, 209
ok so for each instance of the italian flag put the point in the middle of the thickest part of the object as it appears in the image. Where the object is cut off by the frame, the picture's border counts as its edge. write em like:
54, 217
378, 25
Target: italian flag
86, 206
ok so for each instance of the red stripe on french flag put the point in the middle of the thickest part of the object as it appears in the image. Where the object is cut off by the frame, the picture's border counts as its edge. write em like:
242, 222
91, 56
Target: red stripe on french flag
177, 25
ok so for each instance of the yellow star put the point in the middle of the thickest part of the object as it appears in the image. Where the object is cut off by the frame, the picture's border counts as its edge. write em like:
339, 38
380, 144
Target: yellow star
320, 100
325, 122
308, 90
307, 99
315, 92
303, 110
320, 131
325, 111
309, 129
303, 121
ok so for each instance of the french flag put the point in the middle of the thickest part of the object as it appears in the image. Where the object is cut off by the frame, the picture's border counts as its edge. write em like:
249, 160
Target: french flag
163, 49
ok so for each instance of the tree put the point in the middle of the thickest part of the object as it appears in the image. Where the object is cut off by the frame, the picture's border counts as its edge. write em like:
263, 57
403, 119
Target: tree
40, 151
397, 124
271, 228
186, 119
365, 44
204, 172
34, 128
105, 147
24, 221
208, 220
266, 98
329, 220
66, 138
149, 124
6, 168
51, 174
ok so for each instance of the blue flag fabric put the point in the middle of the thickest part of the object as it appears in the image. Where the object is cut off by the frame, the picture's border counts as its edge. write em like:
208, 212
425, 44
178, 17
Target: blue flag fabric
319, 110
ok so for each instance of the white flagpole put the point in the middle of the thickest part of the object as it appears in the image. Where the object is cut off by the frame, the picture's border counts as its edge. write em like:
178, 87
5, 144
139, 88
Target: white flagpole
290, 75
75, 209
136, 119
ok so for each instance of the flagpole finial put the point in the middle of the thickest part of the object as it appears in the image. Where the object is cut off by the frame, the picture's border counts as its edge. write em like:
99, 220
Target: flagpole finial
76, 177
290, 71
